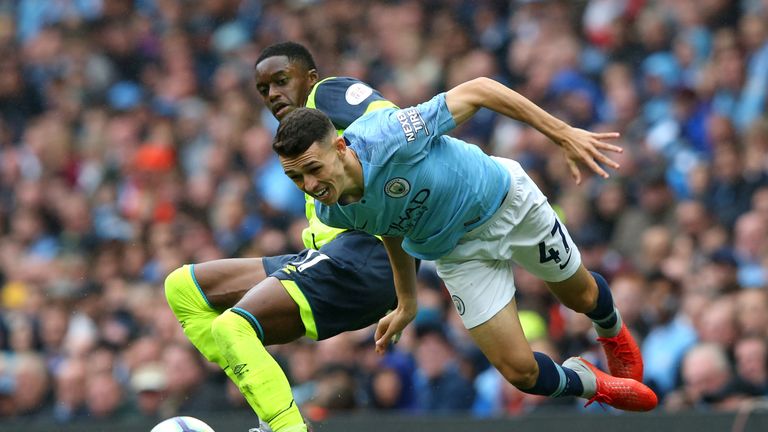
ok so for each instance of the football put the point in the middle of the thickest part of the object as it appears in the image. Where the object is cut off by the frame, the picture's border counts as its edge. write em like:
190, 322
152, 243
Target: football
182, 424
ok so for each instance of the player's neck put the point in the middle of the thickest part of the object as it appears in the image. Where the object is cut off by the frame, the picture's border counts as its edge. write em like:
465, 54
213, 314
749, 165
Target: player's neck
353, 170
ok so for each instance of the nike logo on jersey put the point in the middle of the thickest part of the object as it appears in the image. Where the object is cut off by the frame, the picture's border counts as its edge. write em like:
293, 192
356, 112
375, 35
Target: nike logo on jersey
240, 369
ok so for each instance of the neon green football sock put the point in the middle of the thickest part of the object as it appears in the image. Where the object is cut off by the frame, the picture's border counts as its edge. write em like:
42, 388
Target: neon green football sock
195, 314
259, 377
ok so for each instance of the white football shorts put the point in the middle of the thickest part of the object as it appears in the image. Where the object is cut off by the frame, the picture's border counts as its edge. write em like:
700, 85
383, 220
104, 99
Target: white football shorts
524, 230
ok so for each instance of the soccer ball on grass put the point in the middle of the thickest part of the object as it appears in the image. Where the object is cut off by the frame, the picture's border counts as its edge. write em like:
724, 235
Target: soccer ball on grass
182, 424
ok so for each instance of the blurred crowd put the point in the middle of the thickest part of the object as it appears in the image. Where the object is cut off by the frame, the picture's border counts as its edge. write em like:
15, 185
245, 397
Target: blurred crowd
132, 140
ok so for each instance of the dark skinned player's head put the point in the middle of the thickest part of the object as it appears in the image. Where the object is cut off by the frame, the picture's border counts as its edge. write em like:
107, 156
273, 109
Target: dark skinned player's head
285, 74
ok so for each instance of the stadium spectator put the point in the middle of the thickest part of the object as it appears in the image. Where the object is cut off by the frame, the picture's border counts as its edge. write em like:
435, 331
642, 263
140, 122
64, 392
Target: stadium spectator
751, 358
749, 232
149, 382
70, 394
392, 383
105, 398
439, 385
752, 312
32, 376
708, 382
186, 384
718, 323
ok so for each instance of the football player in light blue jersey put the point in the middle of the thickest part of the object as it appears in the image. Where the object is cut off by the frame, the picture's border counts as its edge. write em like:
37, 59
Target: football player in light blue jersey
395, 173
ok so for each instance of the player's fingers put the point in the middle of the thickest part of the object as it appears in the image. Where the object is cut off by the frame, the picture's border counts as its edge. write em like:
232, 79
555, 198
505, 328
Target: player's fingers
381, 328
381, 343
383, 331
590, 162
575, 173
608, 147
606, 135
606, 160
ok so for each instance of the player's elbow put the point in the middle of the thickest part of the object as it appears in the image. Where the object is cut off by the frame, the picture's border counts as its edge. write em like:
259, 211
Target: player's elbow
483, 84
482, 81
465, 99
477, 92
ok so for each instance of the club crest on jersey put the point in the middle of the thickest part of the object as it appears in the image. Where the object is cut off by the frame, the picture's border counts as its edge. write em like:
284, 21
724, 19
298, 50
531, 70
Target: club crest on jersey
459, 303
397, 187
357, 93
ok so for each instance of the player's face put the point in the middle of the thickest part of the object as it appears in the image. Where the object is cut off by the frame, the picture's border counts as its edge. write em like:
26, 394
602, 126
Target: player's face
319, 171
284, 85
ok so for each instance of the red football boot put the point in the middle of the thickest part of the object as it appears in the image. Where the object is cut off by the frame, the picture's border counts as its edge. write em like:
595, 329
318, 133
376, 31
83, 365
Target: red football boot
624, 358
622, 393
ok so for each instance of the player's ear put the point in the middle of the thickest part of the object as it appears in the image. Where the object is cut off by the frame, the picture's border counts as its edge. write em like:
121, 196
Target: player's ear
313, 77
341, 145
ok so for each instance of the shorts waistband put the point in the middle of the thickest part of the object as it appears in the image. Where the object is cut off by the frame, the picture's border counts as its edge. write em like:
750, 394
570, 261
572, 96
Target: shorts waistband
497, 213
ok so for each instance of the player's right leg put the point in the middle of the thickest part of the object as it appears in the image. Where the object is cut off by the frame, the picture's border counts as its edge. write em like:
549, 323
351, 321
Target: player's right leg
503, 342
541, 244
483, 292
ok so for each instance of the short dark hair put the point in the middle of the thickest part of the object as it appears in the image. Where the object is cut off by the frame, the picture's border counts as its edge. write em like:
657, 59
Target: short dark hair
299, 130
295, 52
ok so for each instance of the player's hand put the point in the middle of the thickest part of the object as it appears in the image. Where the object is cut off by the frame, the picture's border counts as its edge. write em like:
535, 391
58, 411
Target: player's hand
589, 148
391, 325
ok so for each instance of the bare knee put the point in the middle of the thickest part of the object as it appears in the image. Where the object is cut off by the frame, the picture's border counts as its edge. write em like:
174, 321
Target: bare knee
522, 375
177, 291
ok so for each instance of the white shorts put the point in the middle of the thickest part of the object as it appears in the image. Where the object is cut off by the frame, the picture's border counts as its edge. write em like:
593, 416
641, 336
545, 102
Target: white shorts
524, 230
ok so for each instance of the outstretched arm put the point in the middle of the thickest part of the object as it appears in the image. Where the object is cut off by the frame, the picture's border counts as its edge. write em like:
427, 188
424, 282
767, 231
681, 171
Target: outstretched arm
579, 145
404, 272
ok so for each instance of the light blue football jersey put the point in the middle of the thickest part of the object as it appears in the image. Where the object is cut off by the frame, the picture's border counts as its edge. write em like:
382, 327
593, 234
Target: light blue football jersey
418, 183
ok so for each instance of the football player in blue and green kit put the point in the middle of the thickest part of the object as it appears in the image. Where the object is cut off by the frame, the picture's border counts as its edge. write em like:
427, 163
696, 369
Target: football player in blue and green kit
341, 282
395, 173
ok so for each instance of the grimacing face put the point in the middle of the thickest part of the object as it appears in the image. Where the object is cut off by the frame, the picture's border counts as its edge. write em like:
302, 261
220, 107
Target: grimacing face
284, 85
319, 171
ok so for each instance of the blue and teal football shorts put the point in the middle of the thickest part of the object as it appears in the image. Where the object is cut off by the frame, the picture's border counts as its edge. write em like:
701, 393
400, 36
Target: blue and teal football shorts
345, 285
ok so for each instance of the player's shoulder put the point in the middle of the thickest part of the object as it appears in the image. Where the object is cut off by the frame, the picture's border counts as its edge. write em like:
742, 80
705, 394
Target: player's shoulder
344, 89
338, 82
345, 99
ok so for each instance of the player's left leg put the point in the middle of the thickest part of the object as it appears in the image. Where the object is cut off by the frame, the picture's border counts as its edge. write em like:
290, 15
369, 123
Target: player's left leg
588, 293
199, 293
241, 338
528, 231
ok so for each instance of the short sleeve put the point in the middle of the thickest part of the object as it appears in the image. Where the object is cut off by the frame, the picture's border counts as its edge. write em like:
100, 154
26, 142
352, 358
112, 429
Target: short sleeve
400, 135
420, 126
